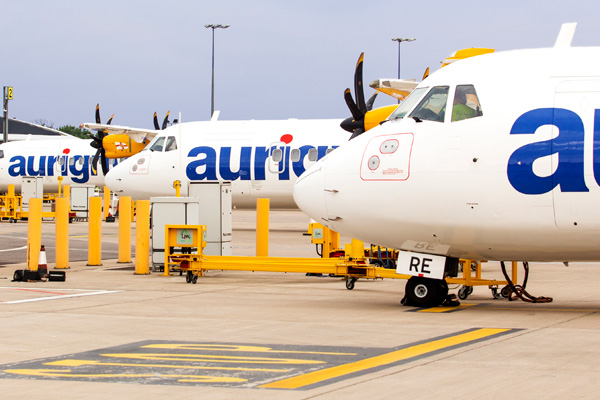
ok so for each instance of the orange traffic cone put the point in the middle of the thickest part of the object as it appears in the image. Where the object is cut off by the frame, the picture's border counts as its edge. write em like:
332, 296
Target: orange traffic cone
42, 263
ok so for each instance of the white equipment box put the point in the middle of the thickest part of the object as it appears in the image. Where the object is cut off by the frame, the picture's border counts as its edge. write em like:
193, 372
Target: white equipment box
209, 204
80, 199
32, 187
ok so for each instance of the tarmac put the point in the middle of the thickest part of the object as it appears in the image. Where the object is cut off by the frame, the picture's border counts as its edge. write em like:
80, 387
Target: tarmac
106, 331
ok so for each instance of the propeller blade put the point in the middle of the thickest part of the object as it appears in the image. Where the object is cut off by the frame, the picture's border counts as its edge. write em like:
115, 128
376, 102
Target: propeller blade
98, 120
357, 132
103, 161
358, 84
356, 114
156, 126
110, 119
95, 162
371, 101
426, 74
166, 120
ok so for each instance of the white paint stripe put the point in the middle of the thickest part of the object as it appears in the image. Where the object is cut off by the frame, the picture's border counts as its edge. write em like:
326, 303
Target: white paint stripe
16, 248
60, 297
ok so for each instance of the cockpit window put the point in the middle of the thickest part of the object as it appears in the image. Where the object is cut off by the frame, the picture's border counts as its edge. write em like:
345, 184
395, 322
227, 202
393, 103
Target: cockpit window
171, 144
408, 104
466, 103
433, 105
158, 144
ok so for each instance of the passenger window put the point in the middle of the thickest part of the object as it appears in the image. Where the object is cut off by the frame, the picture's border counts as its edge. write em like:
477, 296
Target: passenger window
433, 105
466, 103
171, 144
158, 144
313, 154
277, 155
328, 151
295, 155
1, 153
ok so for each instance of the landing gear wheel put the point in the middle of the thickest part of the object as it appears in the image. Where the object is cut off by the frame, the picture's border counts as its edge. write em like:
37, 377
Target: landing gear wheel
505, 292
350, 283
423, 292
194, 279
188, 277
464, 292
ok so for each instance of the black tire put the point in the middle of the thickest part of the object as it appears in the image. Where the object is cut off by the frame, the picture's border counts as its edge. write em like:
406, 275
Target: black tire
195, 279
188, 277
464, 292
505, 292
376, 262
350, 283
423, 292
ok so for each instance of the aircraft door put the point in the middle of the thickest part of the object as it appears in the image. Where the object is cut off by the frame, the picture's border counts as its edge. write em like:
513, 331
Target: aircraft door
576, 190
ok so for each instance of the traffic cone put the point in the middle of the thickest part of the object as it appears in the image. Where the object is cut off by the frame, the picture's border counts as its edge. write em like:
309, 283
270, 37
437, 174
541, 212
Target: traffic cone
42, 263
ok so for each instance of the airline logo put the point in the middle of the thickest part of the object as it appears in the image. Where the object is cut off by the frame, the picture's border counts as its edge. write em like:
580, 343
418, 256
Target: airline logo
568, 145
77, 167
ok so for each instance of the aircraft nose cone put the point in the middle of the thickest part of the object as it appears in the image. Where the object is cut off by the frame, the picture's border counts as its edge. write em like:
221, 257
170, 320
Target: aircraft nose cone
309, 193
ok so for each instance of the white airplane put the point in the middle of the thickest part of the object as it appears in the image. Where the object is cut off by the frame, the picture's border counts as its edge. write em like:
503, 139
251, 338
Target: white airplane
495, 157
260, 158
74, 159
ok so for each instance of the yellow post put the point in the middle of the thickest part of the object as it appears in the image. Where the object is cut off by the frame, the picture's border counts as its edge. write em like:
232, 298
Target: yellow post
106, 208
142, 237
95, 232
177, 186
62, 233
60, 178
34, 233
67, 192
125, 229
262, 227
11, 190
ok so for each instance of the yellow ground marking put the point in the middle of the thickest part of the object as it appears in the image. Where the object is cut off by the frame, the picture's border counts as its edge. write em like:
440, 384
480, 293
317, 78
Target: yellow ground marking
446, 309
80, 363
68, 373
212, 358
377, 361
240, 348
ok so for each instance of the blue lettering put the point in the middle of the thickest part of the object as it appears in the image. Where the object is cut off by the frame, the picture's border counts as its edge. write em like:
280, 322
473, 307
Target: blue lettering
204, 167
31, 166
568, 145
208, 162
225, 164
298, 166
80, 175
19, 167
261, 155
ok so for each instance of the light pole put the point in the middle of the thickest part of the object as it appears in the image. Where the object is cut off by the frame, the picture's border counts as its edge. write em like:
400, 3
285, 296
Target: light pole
400, 40
212, 91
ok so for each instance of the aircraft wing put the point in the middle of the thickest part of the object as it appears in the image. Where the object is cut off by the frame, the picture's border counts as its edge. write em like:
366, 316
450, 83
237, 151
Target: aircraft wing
397, 88
136, 134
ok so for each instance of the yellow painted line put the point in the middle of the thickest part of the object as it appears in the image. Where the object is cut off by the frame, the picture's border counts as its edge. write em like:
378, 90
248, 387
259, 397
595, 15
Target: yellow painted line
80, 363
67, 373
212, 358
446, 309
378, 361
240, 348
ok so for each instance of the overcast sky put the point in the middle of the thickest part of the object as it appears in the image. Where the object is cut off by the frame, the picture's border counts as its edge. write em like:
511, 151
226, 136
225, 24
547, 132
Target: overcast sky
278, 60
